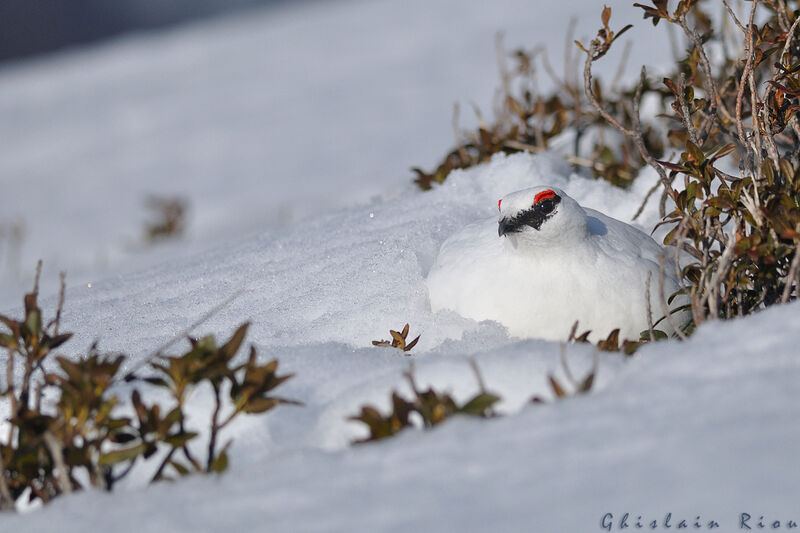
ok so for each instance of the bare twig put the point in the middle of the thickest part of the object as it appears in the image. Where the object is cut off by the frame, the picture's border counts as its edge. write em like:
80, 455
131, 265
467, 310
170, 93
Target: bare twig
673, 43
635, 133
505, 77
791, 277
163, 465
12, 396
684, 110
563, 357
481, 385
649, 311
6, 500
708, 79
552, 73
784, 56
54, 447
61, 292
462, 153
568, 59
212, 440
748, 66
663, 299
713, 288
38, 275
781, 12
409, 375
639, 139
733, 16
587, 87
647, 196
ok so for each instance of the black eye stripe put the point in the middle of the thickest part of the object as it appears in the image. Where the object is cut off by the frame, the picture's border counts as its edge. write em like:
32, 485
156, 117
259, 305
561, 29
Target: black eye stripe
533, 217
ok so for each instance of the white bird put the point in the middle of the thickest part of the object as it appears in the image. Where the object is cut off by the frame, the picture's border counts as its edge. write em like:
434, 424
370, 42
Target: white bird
548, 262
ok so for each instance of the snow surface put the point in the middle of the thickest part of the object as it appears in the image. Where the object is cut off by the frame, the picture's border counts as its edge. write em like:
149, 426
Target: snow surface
707, 427
704, 427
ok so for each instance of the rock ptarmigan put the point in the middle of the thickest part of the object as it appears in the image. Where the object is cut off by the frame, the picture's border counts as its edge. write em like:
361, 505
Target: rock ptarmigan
548, 262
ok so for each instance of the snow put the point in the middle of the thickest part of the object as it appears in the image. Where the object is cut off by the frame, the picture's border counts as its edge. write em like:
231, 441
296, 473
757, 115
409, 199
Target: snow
353, 94
695, 430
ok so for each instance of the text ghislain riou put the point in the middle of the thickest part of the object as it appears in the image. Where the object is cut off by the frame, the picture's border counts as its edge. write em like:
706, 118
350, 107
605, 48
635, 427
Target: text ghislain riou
744, 521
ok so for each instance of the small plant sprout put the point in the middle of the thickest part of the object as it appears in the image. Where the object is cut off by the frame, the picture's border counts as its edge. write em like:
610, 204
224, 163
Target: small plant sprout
432, 407
398, 340
576, 387
169, 218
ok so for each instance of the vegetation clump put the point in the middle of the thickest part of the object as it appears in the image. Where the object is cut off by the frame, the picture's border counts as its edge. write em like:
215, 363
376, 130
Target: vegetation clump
742, 231
431, 406
399, 340
169, 218
71, 428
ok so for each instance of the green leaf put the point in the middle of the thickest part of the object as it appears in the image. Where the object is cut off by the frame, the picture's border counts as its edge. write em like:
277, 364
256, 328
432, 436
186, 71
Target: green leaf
657, 333
230, 348
220, 464
480, 404
207, 343
180, 439
33, 321
72, 370
7, 341
174, 416
695, 152
260, 405
182, 470
118, 456
58, 340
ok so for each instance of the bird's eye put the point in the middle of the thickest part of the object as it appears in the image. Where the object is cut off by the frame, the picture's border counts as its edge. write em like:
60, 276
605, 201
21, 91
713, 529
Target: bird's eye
545, 206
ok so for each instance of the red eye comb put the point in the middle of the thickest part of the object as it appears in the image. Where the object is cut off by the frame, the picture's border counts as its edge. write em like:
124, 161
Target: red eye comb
544, 195
500, 201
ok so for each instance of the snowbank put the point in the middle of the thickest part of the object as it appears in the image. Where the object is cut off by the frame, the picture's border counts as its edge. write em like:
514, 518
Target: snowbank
699, 428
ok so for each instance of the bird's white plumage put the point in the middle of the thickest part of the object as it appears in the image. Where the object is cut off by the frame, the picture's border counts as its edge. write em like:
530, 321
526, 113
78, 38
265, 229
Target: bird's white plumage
579, 265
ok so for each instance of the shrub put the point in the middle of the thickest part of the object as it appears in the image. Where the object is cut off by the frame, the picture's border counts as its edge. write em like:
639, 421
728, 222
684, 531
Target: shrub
740, 112
68, 429
737, 112
431, 406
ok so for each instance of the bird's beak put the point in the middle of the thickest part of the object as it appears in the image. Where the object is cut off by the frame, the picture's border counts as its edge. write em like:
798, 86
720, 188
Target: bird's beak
503, 227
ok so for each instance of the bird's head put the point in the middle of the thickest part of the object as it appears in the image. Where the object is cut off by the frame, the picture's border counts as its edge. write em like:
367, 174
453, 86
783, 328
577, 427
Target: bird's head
540, 215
